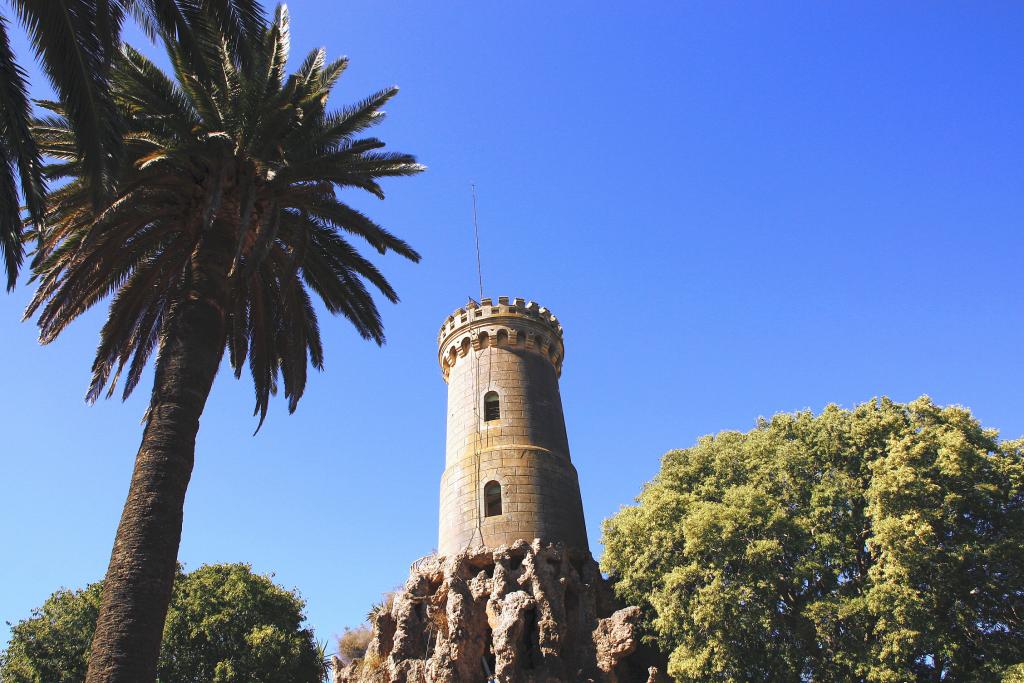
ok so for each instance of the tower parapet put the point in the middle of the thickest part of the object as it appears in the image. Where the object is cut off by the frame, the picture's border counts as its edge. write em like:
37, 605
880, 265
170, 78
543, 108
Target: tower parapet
507, 474
508, 322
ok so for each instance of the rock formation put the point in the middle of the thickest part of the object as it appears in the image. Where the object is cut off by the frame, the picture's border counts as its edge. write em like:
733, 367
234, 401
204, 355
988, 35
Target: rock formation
525, 613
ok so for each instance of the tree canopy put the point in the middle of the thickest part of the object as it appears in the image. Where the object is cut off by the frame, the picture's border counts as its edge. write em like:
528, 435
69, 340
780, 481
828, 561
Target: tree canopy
75, 42
225, 625
880, 544
250, 155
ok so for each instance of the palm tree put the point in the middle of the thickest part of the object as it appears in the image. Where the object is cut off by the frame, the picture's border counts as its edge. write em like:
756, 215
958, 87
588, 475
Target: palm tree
76, 42
224, 217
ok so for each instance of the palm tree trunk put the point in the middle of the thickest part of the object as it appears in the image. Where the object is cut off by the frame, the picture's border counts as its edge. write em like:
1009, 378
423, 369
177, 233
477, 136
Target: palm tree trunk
137, 587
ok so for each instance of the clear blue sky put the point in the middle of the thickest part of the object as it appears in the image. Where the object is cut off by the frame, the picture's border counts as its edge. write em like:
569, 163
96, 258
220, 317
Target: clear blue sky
735, 209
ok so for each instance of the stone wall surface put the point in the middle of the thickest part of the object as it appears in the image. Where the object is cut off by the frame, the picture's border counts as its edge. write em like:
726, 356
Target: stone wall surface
525, 613
540, 499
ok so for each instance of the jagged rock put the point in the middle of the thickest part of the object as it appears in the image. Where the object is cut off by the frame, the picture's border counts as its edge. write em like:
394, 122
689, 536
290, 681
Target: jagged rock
615, 637
526, 613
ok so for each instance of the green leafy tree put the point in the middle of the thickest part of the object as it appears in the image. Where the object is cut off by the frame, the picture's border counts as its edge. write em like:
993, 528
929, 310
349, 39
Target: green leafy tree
52, 645
225, 625
881, 544
76, 42
224, 218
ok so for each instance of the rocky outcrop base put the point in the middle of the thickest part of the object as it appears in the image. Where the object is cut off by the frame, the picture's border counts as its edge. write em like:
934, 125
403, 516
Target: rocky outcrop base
529, 613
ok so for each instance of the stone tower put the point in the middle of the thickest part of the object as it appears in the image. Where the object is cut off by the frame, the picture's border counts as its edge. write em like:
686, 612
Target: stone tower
507, 470
513, 594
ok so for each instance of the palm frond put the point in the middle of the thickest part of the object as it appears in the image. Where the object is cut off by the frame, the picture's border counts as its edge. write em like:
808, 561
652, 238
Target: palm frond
136, 313
349, 168
10, 235
17, 149
109, 18
343, 217
144, 90
330, 74
278, 45
240, 21
263, 360
336, 127
66, 38
311, 65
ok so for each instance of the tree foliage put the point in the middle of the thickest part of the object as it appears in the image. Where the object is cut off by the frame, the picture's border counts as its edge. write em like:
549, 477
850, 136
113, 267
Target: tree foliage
225, 625
244, 151
880, 544
76, 42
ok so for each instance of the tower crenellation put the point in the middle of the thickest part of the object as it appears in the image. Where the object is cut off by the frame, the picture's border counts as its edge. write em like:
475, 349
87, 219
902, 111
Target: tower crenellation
509, 321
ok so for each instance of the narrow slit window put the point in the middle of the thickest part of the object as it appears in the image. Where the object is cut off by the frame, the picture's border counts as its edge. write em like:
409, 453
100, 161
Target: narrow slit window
492, 499
492, 406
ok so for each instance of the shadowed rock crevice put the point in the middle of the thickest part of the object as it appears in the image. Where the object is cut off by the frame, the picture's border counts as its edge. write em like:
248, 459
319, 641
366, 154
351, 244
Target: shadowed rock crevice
529, 613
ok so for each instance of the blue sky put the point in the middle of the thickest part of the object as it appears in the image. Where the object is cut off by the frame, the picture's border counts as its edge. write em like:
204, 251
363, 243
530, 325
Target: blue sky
735, 209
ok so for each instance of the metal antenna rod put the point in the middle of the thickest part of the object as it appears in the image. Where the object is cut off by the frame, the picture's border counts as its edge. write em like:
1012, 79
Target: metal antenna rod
476, 234
476, 379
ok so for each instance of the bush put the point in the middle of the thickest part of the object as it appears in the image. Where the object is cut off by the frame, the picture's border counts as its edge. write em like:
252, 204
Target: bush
353, 642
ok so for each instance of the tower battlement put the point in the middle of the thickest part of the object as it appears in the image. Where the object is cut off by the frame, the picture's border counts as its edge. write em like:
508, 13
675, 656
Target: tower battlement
507, 322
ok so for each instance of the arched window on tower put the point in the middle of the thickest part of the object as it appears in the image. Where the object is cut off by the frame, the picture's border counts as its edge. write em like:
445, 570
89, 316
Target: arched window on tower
492, 406
492, 499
